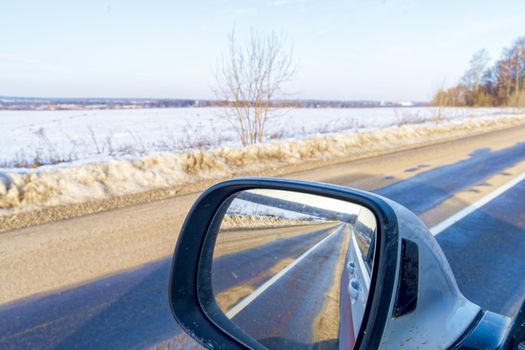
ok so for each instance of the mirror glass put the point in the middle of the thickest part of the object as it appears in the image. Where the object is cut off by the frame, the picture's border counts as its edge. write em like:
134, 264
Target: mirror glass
292, 270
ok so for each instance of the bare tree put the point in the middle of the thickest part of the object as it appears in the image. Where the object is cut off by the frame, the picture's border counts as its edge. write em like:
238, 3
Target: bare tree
503, 72
478, 65
248, 78
518, 62
481, 85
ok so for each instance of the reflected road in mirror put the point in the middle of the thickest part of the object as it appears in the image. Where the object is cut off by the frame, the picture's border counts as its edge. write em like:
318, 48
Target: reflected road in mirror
292, 270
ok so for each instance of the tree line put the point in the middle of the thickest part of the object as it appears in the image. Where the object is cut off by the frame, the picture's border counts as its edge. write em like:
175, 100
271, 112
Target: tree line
482, 85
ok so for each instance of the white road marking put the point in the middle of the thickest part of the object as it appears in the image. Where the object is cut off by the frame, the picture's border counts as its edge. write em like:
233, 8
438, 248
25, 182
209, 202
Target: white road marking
246, 301
475, 206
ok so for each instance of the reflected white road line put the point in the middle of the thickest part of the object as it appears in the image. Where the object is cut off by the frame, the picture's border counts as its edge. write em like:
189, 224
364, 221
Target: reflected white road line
475, 206
246, 301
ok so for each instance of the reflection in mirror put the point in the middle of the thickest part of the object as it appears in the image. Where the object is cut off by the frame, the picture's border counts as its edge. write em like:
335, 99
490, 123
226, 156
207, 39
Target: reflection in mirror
292, 270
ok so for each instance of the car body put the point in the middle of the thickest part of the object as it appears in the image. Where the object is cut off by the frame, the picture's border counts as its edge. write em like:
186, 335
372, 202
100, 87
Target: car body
356, 277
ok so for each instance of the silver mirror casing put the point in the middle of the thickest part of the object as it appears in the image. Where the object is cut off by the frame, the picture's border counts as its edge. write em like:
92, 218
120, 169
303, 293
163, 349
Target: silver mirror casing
442, 315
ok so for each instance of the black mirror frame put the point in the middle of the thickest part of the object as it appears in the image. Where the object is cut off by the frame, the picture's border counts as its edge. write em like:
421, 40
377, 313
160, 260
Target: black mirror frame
203, 320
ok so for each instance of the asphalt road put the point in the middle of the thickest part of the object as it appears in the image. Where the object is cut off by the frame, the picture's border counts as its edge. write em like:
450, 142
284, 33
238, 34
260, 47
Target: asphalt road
284, 315
250, 266
129, 310
487, 252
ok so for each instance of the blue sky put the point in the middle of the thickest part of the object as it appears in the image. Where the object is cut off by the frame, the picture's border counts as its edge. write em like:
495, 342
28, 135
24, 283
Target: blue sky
361, 49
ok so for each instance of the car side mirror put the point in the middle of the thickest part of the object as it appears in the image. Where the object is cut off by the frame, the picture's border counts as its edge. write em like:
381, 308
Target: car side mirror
273, 263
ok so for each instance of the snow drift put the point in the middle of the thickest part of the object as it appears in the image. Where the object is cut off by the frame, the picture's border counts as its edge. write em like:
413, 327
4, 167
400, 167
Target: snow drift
33, 189
240, 222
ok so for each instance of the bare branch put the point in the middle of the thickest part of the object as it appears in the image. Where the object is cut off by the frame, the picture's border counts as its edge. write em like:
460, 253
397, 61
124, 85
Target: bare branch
248, 78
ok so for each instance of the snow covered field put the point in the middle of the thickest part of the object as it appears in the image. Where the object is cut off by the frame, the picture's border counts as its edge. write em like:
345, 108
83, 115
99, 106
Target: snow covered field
48, 137
112, 153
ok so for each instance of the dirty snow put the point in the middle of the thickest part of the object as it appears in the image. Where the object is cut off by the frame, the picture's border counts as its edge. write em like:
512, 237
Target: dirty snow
143, 165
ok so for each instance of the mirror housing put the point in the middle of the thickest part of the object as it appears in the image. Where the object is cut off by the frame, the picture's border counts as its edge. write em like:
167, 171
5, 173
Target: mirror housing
412, 303
443, 315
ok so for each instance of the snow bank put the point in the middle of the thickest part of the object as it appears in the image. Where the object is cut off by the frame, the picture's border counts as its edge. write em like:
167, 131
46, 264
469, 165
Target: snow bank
238, 222
31, 189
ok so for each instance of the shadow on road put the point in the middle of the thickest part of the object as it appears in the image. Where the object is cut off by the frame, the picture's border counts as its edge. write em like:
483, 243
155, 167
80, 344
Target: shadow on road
485, 251
429, 188
129, 310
